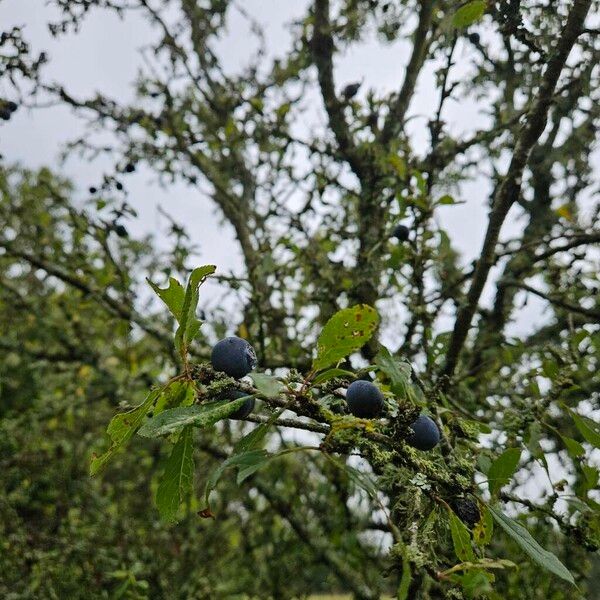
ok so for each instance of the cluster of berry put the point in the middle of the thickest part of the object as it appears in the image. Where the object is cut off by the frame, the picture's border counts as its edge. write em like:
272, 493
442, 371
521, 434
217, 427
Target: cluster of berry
236, 357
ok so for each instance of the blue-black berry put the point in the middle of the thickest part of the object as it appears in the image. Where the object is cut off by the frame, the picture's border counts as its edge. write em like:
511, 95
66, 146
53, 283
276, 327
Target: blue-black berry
233, 356
467, 511
426, 434
121, 231
364, 399
243, 411
401, 232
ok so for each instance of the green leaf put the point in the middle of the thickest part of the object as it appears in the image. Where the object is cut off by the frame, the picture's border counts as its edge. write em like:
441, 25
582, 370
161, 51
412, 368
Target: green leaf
591, 475
405, 580
587, 428
446, 199
122, 427
267, 385
188, 324
523, 538
565, 211
247, 463
484, 463
468, 14
550, 369
331, 374
533, 441
398, 371
503, 469
347, 331
172, 296
177, 479
198, 415
574, 448
178, 393
482, 532
398, 165
461, 539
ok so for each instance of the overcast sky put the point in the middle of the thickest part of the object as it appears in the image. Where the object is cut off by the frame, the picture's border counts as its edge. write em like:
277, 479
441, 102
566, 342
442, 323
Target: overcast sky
103, 56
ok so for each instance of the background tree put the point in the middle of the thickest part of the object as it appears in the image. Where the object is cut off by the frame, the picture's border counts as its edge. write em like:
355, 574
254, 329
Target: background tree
313, 210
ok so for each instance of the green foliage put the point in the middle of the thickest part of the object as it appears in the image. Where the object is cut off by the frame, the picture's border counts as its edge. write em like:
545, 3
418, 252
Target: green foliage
482, 532
587, 428
121, 428
331, 374
189, 325
268, 386
347, 331
255, 439
177, 479
502, 469
173, 296
517, 532
468, 14
198, 415
398, 371
461, 538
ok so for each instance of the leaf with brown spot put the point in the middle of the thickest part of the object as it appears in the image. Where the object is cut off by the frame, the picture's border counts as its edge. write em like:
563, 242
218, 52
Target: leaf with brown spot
346, 332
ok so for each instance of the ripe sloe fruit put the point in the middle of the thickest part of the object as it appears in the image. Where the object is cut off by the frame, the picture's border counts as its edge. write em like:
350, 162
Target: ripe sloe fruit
474, 38
129, 168
243, 411
467, 511
364, 399
426, 434
121, 231
233, 356
401, 232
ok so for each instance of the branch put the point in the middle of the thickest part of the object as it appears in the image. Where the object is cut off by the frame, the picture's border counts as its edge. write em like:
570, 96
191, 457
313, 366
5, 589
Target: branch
560, 521
395, 118
510, 188
588, 312
322, 49
579, 240
292, 423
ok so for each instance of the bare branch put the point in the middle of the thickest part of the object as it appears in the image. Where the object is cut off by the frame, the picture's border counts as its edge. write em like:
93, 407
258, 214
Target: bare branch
510, 189
322, 47
588, 312
395, 119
